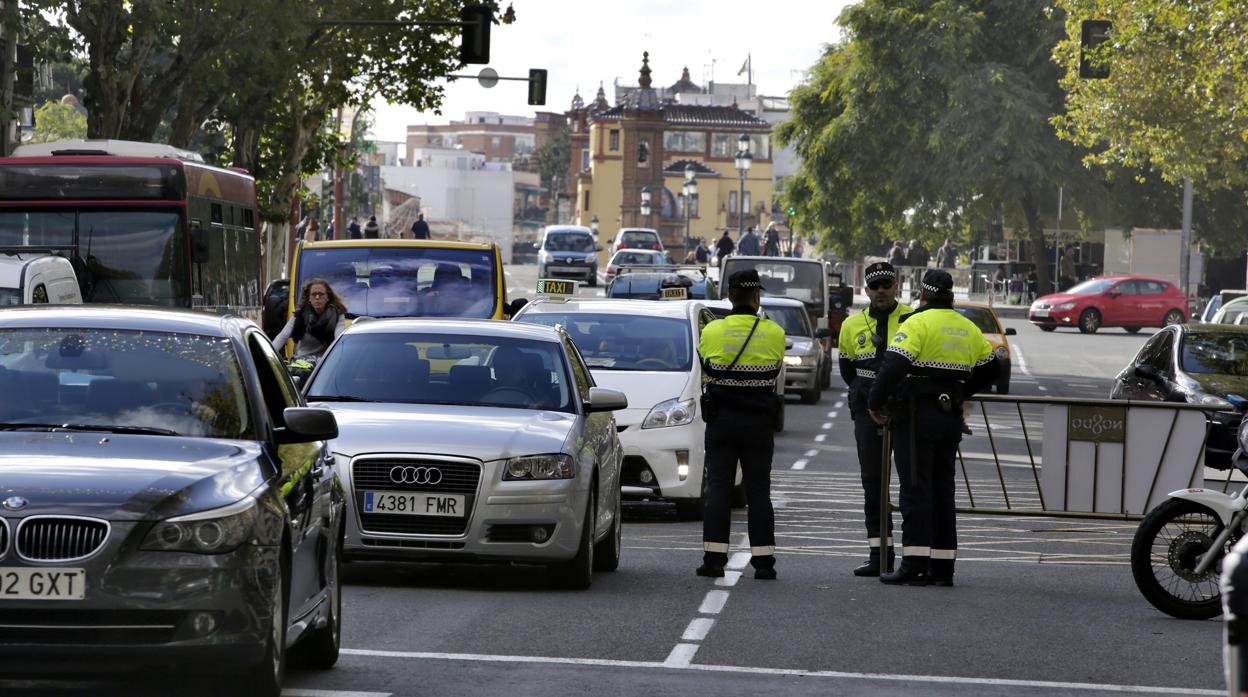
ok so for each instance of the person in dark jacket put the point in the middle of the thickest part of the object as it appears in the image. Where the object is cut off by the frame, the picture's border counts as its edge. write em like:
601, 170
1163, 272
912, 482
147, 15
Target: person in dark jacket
372, 230
897, 255
748, 244
723, 248
353, 229
420, 229
771, 242
321, 317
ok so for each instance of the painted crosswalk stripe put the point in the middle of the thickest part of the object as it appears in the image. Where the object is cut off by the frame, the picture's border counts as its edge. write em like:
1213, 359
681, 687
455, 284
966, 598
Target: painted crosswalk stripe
300, 692
713, 603
821, 438
698, 628
811, 453
681, 656
800, 464
826, 426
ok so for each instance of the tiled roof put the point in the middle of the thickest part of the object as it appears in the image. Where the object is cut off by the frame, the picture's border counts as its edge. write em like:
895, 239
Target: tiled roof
678, 168
695, 115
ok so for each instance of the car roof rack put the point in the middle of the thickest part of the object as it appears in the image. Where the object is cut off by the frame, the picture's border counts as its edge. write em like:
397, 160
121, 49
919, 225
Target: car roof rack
659, 268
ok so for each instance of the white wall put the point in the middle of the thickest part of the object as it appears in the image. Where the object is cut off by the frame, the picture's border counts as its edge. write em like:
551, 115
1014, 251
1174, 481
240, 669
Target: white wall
480, 198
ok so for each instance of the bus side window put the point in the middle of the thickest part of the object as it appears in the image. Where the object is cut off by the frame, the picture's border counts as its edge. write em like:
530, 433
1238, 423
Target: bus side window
199, 243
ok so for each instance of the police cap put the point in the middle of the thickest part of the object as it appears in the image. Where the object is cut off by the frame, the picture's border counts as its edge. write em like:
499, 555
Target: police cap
880, 271
746, 278
938, 282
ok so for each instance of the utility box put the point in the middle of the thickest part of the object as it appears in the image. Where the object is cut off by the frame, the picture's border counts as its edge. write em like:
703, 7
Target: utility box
1159, 253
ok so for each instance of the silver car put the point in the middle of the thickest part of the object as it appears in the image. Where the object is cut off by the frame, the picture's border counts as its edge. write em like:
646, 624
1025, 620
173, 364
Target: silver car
474, 440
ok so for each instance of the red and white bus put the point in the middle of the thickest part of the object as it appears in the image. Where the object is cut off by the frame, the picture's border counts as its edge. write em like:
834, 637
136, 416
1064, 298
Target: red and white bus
144, 224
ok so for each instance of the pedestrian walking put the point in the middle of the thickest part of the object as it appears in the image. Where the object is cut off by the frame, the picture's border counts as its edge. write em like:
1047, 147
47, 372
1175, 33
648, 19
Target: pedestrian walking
371, 230
864, 338
771, 243
742, 355
420, 229
936, 360
748, 244
947, 255
897, 255
917, 254
723, 248
353, 228
702, 253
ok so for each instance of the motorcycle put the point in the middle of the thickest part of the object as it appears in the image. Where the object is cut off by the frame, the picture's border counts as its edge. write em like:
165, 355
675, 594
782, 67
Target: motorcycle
1177, 552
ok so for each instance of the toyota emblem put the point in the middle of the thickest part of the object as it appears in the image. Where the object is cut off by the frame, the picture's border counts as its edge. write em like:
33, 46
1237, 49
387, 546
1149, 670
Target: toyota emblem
17, 503
416, 475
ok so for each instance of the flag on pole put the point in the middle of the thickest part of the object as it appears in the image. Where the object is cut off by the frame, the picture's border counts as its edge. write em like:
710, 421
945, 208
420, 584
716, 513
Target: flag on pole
745, 67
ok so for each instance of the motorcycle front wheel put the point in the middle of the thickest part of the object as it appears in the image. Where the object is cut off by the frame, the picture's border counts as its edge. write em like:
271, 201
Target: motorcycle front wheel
1164, 554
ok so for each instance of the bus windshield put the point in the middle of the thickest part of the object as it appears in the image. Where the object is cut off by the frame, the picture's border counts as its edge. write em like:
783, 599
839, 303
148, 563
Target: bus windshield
130, 257
406, 281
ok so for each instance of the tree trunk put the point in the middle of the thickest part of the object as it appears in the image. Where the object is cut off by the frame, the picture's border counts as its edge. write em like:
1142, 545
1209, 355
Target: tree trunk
1035, 242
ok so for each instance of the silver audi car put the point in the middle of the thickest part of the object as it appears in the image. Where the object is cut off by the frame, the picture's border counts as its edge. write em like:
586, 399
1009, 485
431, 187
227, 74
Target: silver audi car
471, 440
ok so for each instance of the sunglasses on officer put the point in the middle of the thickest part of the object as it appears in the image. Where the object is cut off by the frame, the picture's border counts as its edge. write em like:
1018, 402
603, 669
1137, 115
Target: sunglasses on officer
877, 285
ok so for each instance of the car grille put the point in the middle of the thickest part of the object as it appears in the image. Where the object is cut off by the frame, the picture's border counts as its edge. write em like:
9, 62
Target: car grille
90, 627
375, 475
413, 544
60, 539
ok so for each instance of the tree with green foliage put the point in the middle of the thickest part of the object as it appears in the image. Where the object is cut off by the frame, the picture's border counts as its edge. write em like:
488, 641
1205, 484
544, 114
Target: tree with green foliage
1176, 99
552, 165
936, 115
57, 121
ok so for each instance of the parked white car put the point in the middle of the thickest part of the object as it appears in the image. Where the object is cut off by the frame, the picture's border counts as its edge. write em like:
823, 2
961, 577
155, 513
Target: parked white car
473, 440
646, 349
35, 278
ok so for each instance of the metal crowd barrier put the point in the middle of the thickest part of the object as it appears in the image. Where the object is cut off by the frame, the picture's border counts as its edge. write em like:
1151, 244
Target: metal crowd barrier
1086, 458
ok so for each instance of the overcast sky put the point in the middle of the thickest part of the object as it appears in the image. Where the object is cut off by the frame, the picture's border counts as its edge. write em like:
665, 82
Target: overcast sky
582, 43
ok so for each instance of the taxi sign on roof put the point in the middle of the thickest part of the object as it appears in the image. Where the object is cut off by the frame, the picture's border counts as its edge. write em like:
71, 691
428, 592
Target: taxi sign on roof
555, 288
676, 293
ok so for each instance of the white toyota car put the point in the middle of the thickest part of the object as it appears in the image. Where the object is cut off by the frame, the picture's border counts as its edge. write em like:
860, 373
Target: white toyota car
646, 349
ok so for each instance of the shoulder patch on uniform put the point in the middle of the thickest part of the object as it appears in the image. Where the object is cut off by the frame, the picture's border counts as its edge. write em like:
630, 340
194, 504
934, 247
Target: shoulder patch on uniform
899, 337
862, 338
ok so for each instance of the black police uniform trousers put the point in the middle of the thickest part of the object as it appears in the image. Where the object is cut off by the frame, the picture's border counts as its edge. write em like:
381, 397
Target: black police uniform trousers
745, 436
869, 437
925, 442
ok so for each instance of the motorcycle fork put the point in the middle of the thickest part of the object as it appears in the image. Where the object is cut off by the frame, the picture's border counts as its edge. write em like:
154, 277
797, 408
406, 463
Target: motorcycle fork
1207, 559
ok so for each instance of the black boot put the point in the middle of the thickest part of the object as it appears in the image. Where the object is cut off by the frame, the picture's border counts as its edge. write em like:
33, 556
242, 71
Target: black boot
710, 570
871, 567
941, 572
911, 572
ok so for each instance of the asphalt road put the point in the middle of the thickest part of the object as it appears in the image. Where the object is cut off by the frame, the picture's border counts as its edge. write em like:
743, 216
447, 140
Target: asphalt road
1042, 607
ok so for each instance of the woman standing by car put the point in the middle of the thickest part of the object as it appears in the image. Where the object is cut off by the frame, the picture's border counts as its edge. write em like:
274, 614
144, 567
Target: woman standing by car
321, 317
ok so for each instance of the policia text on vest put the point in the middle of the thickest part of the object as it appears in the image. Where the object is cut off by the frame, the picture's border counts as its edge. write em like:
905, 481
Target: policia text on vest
936, 359
742, 356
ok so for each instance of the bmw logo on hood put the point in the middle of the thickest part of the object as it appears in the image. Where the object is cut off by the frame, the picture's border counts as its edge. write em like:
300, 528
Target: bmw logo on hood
14, 503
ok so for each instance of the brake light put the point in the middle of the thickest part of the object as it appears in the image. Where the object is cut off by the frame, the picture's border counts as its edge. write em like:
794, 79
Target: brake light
622, 245
654, 246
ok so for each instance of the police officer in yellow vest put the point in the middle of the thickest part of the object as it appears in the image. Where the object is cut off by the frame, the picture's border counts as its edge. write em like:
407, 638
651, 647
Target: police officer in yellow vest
937, 359
864, 338
742, 356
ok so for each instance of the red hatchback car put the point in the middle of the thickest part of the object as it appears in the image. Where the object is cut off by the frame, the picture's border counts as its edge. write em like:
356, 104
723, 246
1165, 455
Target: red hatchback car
1130, 302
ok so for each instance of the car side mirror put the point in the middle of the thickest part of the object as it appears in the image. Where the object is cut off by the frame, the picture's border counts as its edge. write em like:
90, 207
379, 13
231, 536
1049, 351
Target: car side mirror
603, 399
823, 333
1011, 331
1147, 372
307, 424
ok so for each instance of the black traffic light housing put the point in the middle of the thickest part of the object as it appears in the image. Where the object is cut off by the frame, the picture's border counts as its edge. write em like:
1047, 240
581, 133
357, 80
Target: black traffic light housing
537, 87
474, 45
1093, 33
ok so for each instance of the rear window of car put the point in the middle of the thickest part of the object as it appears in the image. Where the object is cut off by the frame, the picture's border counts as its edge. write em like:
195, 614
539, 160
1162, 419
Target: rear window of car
625, 342
640, 238
569, 242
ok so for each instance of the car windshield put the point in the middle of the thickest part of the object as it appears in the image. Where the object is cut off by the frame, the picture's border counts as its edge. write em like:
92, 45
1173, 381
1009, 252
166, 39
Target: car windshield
467, 370
569, 242
794, 320
1232, 314
798, 280
983, 319
406, 281
625, 342
10, 296
1094, 286
186, 384
1216, 354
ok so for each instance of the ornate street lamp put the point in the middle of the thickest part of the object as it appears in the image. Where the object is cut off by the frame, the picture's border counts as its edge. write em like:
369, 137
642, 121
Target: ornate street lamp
743, 160
691, 193
645, 203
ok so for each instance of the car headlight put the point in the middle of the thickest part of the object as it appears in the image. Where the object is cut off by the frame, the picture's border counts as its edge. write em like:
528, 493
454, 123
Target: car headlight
208, 532
1002, 353
673, 412
1208, 400
531, 467
591, 257
793, 360
1065, 306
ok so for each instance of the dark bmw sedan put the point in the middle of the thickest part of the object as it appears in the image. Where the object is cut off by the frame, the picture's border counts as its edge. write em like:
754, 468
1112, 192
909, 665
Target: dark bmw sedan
165, 499
1194, 364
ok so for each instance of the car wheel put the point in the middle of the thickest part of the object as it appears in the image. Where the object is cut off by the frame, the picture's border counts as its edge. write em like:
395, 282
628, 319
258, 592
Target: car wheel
578, 572
812, 396
319, 649
593, 279
1132, 330
1089, 321
1172, 317
1047, 327
264, 679
607, 553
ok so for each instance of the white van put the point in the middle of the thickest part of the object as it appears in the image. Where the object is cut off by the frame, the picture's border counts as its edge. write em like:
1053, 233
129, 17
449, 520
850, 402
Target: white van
27, 279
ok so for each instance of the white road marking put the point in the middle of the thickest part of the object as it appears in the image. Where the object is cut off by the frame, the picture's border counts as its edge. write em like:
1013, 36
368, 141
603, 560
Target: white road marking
832, 415
1022, 362
300, 692
821, 438
800, 464
811, 453
826, 426
729, 580
1043, 388
681, 656
738, 560
838, 405
792, 672
713, 602
698, 628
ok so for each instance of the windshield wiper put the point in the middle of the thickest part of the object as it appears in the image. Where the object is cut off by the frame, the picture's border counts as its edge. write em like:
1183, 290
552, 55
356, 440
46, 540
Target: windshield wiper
337, 398
138, 430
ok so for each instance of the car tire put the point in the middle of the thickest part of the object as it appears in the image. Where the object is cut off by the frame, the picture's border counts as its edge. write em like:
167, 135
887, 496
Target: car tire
607, 552
1047, 327
1089, 321
578, 572
319, 648
1172, 317
812, 396
264, 679
1132, 330
592, 282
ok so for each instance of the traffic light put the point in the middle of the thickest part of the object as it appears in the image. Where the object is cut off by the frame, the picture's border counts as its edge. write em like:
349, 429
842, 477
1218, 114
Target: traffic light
1093, 33
474, 45
537, 87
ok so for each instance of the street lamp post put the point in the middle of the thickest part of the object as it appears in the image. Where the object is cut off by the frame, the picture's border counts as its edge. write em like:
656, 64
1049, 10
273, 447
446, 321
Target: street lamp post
691, 192
645, 205
743, 161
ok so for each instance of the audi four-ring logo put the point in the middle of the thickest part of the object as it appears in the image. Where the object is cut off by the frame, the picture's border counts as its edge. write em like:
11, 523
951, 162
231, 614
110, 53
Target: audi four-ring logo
415, 475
